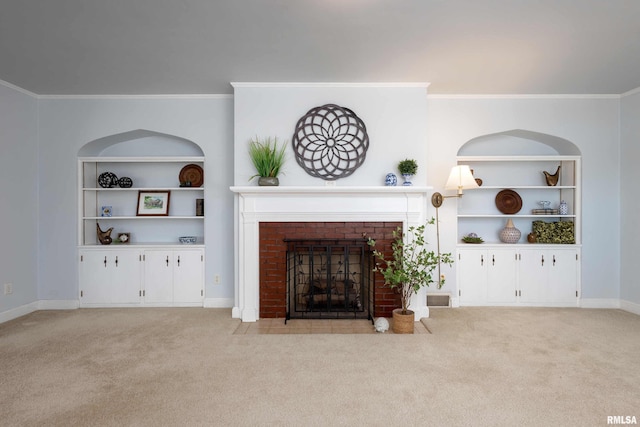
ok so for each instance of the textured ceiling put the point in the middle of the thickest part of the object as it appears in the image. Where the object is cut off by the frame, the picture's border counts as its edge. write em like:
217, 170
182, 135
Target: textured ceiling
76, 47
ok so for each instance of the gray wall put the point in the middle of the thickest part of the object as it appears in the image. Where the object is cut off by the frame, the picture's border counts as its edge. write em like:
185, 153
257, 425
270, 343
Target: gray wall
18, 197
40, 139
591, 123
629, 200
68, 124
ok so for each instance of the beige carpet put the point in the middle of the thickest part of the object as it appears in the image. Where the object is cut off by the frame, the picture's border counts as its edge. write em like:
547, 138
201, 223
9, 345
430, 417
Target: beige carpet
185, 367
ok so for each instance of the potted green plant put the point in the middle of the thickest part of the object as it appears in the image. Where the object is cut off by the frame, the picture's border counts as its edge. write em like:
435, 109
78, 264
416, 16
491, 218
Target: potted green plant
410, 267
407, 168
267, 157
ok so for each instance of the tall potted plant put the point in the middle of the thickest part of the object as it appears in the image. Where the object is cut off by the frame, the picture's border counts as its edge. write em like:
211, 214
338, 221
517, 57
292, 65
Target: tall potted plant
268, 158
409, 268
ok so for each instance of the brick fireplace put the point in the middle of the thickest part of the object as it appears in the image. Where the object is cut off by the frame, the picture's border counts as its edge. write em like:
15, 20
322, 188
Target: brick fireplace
268, 215
273, 263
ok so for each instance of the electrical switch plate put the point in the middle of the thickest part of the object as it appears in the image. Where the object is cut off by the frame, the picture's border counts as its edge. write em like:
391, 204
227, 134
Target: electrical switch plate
8, 288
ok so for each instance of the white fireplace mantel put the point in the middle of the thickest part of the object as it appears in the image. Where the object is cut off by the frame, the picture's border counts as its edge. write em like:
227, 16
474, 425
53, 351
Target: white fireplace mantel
406, 204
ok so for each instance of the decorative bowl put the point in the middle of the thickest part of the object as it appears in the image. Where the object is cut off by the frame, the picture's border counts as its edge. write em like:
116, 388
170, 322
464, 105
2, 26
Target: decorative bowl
187, 239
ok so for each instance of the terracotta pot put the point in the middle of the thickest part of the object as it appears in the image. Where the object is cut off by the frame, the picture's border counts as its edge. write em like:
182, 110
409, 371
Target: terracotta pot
403, 323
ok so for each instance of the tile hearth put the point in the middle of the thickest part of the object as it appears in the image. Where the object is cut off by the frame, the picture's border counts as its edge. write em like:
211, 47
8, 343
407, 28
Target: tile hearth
314, 326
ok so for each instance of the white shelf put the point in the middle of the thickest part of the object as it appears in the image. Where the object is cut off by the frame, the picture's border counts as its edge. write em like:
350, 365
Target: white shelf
513, 216
526, 187
146, 159
108, 218
144, 189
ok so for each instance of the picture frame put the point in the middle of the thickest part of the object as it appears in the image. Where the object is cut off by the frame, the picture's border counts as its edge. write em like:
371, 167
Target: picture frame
153, 203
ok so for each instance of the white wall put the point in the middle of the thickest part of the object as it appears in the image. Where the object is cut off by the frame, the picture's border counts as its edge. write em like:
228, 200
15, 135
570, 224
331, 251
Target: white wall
68, 124
18, 197
590, 123
395, 118
629, 200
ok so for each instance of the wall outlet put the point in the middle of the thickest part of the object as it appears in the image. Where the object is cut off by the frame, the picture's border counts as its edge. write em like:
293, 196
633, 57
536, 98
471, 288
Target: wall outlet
216, 279
8, 288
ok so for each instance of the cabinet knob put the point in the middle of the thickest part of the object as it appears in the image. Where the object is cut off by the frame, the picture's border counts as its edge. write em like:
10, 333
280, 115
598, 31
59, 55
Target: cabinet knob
167, 260
178, 260
116, 261
542, 258
105, 261
481, 259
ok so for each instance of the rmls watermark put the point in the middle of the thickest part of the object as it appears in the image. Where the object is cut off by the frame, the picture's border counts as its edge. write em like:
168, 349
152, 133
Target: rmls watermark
621, 419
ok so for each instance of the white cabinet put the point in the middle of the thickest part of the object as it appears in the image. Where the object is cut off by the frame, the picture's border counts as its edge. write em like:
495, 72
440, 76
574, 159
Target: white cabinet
110, 277
486, 276
173, 276
518, 275
152, 268
548, 276
139, 276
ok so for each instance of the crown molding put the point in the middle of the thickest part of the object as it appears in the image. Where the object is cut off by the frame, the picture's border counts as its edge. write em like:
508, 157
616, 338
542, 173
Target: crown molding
331, 84
18, 89
525, 96
134, 97
631, 92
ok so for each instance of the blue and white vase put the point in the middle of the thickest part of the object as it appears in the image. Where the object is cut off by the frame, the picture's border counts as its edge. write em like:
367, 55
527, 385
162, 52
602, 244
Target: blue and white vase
564, 209
391, 180
407, 179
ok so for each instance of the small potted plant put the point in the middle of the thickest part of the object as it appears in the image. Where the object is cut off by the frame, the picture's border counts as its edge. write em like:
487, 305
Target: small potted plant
268, 158
409, 268
407, 168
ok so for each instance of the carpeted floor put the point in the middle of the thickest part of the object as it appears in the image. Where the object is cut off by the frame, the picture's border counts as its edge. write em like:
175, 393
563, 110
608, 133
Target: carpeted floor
185, 366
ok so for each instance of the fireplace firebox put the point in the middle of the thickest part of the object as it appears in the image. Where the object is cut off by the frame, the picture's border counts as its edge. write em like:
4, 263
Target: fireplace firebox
329, 278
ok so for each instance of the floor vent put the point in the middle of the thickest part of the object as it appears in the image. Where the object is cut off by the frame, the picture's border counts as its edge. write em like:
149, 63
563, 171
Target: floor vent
439, 300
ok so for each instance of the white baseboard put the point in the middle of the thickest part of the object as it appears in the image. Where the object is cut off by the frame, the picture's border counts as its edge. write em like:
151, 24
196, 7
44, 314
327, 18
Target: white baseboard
629, 306
14, 313
218, 303
58, 304
599, 303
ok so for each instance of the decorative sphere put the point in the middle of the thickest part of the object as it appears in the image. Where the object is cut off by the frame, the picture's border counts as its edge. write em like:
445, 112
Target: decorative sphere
381, 324
391, 180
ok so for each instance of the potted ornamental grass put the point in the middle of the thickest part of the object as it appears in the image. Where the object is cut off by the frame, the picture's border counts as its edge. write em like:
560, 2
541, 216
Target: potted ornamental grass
409, 267
267, 157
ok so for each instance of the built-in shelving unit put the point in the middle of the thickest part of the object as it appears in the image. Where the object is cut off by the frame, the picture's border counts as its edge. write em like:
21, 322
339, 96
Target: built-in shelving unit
522, 273
147, 174
152, 268
477, 211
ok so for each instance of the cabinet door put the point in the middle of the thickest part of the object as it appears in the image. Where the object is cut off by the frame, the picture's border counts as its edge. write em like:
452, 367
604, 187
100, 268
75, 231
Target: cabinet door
563, 276
125, 284
158, 276
95, 277
110, 277
533, 275
501, 275
472, 276
188, 276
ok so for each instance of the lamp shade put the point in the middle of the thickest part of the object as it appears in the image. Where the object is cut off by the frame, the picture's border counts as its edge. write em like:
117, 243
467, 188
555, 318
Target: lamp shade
460, 179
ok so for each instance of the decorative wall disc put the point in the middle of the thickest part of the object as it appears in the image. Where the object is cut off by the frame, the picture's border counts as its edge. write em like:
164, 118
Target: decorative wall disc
330, 142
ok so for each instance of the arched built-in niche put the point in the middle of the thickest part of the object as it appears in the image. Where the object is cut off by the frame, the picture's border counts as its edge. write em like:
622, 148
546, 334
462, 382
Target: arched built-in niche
518, 142
140, 142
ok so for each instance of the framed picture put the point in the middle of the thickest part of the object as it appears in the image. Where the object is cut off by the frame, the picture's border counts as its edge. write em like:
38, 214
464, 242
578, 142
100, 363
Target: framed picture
153, 203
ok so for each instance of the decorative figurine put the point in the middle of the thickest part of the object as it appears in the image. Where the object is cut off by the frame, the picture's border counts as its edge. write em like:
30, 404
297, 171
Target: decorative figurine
104, 236
552, 180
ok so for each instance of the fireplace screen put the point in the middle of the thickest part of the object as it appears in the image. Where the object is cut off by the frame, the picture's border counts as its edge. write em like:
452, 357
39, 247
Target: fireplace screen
328, 278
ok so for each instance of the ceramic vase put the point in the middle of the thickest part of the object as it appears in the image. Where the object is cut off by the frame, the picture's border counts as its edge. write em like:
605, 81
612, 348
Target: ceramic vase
407, 179
510, 234
563, 209
391, 180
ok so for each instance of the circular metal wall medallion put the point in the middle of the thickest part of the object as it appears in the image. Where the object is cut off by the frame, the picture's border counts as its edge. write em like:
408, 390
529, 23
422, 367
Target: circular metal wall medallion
330, 142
